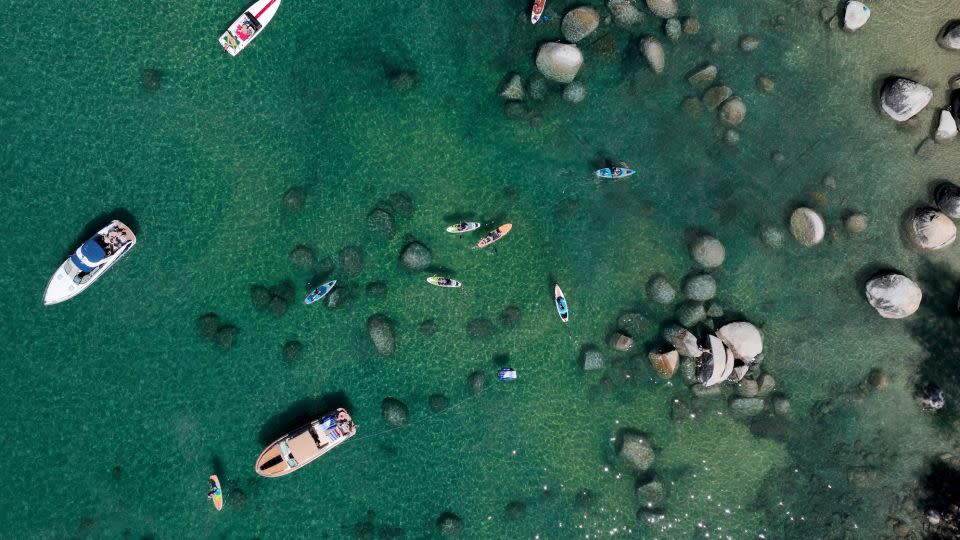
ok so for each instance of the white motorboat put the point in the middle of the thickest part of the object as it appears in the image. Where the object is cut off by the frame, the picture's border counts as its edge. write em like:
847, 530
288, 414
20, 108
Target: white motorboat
90, 261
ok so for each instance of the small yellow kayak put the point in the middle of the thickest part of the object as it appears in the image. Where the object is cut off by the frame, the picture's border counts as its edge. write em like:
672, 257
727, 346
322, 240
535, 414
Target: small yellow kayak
444, 282
494, 235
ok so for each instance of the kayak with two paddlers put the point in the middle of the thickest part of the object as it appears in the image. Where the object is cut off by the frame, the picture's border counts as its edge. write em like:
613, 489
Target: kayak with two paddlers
615, 172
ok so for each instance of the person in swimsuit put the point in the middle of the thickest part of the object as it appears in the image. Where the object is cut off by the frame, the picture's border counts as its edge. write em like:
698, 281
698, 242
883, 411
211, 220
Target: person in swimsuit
214, 490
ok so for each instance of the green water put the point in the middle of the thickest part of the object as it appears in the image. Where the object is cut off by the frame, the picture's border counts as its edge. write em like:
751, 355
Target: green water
116, 411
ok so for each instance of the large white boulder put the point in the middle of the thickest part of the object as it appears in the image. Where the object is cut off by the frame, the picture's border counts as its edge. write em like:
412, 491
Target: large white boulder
579, 23
894, 296
559, 62
855, 15
903, 99
653, 52
930, 228
744, 340
947, 128
663, 8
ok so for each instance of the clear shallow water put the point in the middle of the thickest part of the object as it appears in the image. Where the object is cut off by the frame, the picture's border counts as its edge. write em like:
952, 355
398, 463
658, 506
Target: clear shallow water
126, 410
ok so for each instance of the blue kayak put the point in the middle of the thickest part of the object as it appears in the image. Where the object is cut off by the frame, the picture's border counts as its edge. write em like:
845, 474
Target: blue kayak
615, 172
319, 292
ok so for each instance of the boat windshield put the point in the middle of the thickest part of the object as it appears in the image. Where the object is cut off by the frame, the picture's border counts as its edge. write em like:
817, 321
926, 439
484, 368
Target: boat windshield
287, 455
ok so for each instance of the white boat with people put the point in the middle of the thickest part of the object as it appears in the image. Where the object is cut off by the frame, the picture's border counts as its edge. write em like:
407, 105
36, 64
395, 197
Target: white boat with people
248, 26
90, 261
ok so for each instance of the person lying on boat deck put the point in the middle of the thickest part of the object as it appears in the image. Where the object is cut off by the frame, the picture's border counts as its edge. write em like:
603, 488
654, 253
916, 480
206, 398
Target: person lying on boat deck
443, 281
344, 422
561, 302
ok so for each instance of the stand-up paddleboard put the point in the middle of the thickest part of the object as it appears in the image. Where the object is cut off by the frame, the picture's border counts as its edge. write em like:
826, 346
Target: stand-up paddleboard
464, 227
561, 301
216, 494
319, 292
494, 235
248, 26
444, 282
537, 10
616, 172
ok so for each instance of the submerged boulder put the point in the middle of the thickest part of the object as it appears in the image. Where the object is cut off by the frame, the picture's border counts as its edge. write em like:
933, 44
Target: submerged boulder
700, 287
207, 325
575, 92
652, 51
733, 112
903, 99
579, 23
659, 290
295, 199
650, 494
894, 296
708, 252
382, 334
449, 524
716, 95
395, 412
807, 226
381, 222
625, 12
621, 342
857, 223
635, 451
512, 88
352, 258
931, 229
744, 406
664, 9
559, 62
416, 256
591, 359
703, 76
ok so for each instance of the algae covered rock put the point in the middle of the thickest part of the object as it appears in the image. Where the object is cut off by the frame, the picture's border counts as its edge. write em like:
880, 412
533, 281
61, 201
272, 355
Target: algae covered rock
659, 290
295, 199
708, 252
575, 92
747, 406
591, 359
559, 62
416, 256
381, 222
512, 88
395, 412
151, 79
690, 313
303, 258
807, 226
352, 259
700, 287
438, 402
226, 336
635, 451
579, 23
894, 296
477, 382
733, 111
650, 494
207, 325
625, 12
664, 9
382, 334
449, 524
292, 351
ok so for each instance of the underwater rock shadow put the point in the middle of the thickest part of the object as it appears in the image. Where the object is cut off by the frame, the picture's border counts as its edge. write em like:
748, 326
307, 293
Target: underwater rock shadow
300, 413
936, 328
100, 222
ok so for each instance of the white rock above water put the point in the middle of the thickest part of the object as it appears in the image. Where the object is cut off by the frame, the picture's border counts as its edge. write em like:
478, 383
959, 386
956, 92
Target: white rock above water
950, 37
855, 15
744, 340
559, 62
931, 229
894, 296
807, 226
947, 129
902, 98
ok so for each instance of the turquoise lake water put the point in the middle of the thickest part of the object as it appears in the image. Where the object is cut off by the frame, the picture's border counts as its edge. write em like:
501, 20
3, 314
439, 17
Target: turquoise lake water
117, 411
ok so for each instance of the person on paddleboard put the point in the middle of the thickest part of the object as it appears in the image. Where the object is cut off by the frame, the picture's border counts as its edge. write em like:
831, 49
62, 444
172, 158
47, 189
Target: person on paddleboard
214, 490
